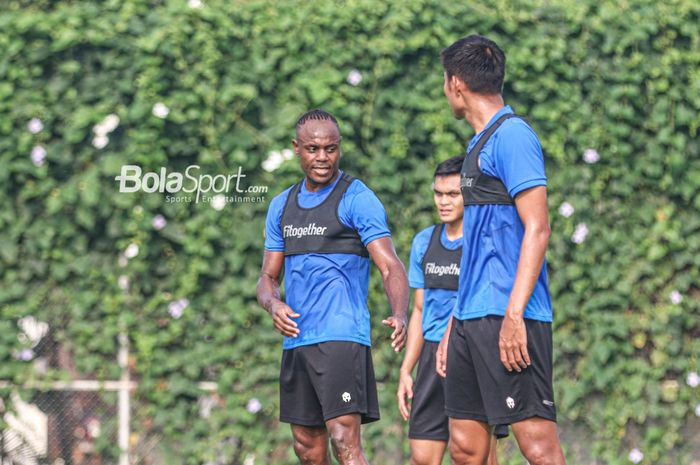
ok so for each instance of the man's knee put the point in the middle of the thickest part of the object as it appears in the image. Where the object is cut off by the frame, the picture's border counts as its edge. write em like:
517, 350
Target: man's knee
539, 441
464, 453
344, 433
310, 446
418, 458
542, 453
346, 445
310, 454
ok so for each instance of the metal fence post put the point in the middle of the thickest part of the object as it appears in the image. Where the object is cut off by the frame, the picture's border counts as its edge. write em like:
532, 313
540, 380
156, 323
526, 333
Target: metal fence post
124, 407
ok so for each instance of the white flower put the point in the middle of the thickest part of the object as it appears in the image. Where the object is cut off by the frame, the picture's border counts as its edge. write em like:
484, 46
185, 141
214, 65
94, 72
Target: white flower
676, 297
580, 233
176, 307
93, 427
160, 110
111, 122
274, 160
287, 154
693, 379
195, 4
123, 261
636, 455
205, 406
123, 282
38, 155
159, 222
591, 156
354, 77
25, 355
33, 329
218, 202
697, 410
107, 125
100, 141
131, 251
254, 405
35, 125
566, 209
249, 459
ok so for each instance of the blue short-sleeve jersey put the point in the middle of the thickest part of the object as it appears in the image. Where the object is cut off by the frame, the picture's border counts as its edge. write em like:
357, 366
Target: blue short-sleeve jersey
329, 291
437, 303
493, 234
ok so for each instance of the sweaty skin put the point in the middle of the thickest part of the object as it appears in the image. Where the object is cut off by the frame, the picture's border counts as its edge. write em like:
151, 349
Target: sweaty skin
317, 145
537, 438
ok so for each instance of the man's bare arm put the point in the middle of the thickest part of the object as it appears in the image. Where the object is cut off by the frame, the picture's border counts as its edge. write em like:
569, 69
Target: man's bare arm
395, 285
268, 294
532, 209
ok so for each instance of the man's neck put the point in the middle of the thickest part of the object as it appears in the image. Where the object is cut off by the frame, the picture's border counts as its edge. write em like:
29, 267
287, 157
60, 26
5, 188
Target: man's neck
314, 187
453, 230
481, 109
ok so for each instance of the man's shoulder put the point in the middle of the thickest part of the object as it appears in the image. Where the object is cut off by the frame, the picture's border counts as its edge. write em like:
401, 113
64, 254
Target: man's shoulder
425, 233
280, 199
516, 129
422, 238
358, 188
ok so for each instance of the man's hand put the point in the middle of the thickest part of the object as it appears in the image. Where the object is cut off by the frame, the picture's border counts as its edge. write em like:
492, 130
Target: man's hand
398, 337
281, 314
405, 394
441, 355
512, 343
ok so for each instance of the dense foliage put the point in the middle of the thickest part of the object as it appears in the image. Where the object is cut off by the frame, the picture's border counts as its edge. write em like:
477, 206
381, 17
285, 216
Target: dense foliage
612, 88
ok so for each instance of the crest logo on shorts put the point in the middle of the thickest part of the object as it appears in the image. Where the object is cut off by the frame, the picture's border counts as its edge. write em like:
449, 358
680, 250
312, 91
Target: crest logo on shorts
346, 397
510, 402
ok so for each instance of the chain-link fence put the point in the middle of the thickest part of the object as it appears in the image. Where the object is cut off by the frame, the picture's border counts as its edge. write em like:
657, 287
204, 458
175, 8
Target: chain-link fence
63, 418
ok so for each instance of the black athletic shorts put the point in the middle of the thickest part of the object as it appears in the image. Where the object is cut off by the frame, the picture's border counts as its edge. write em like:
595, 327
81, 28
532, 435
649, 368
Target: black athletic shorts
322, 381
498, 396
428, 418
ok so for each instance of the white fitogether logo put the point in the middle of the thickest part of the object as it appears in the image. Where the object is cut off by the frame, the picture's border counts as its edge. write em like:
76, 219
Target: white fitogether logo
346, 397
300, 231
441, 270
510, 402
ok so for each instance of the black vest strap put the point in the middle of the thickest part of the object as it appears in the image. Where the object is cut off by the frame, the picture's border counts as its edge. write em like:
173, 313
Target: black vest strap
440, 265
478, 188
319, 229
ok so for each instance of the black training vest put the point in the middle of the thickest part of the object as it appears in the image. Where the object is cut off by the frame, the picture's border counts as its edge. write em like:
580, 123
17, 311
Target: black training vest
440, 265
478, 188
318, 229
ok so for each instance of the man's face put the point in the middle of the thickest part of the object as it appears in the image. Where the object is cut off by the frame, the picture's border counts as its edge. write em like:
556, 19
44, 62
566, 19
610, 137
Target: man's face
318, 147
448, 198
451, 93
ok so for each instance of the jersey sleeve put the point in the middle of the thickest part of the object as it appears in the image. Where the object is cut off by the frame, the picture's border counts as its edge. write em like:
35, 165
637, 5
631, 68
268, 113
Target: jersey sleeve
274, 241
516, 158
361, 210
416, 279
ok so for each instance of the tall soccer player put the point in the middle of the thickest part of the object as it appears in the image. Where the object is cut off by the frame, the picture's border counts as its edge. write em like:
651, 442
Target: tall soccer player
323, 231
434, 274
501, 329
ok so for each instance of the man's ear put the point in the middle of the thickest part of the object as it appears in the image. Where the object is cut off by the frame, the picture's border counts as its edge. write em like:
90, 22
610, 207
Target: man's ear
295, 144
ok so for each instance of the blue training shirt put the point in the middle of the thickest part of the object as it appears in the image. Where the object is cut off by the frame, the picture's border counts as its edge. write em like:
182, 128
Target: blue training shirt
493, 234
437, 303
329, 291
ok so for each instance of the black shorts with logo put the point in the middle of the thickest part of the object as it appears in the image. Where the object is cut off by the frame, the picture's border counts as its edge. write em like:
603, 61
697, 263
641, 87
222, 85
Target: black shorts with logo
498, 396
428, 418
322, 381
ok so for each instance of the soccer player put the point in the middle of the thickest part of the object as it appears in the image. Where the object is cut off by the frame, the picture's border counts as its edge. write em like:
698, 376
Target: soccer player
500, 333
434, 274
323, 231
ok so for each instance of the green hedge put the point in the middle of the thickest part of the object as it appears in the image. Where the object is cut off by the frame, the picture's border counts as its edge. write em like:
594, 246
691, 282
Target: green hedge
619, 79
